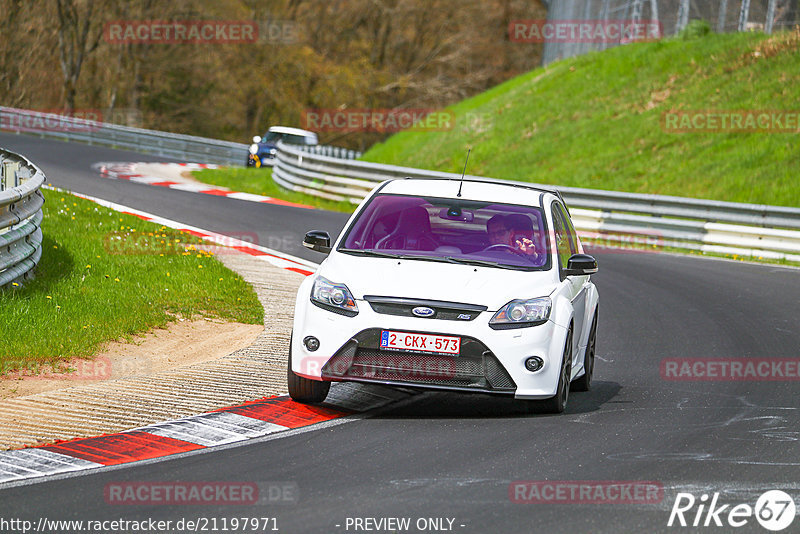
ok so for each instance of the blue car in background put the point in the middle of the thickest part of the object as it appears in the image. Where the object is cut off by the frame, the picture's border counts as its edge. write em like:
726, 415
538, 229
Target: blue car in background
263, 149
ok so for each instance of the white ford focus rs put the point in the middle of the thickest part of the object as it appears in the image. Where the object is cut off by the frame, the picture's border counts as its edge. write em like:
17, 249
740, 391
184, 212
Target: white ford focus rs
474, 286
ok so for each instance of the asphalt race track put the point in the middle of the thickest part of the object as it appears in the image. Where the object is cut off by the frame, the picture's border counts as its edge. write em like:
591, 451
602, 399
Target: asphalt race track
442, 455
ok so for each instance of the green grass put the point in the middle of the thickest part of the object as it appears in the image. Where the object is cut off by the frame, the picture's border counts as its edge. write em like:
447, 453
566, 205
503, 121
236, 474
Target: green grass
105, 276
259, 182
596, 121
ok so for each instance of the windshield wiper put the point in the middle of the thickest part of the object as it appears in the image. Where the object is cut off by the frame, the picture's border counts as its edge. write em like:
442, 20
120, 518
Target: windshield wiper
426, 258
359, 252
484, 263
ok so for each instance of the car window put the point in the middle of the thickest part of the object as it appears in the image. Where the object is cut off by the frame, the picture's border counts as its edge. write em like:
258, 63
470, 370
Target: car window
572, 236
292, 139
560, 230
453, 230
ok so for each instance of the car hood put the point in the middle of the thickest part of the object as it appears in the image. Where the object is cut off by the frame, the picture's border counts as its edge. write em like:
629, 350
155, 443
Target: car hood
485, 286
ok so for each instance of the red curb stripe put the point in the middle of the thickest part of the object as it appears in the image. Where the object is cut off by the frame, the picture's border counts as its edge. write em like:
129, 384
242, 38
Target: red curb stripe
301, 271
283, 203
251, 251
194, 232
164, 184
285, 412
113, 449
215, 192
142, 217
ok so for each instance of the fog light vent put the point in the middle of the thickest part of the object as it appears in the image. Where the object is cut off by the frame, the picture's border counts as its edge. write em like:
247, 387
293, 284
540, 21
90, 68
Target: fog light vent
311, 343
534, 363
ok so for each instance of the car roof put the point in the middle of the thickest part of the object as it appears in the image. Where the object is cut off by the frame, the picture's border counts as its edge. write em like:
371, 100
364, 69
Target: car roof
473, 188
290, 130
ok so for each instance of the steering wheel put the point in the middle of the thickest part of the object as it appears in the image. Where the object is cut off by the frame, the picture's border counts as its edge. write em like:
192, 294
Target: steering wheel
499, 246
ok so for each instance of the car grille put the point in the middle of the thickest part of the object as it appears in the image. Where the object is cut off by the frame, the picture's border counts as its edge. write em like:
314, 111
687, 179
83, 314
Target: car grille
474, 369
450, 311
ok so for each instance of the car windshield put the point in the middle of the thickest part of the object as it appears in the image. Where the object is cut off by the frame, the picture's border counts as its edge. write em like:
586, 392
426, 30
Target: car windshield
450, 230
292, 139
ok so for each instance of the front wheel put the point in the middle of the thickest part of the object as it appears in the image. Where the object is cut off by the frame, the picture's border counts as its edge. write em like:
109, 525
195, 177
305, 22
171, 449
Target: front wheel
558, 402
303, 389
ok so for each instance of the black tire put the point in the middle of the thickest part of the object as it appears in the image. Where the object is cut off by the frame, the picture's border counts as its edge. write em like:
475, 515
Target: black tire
558, 402
584, 383
303, 389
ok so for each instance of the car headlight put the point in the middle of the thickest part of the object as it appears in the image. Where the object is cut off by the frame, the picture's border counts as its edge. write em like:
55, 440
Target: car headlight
253, 149
333, 297
522, 313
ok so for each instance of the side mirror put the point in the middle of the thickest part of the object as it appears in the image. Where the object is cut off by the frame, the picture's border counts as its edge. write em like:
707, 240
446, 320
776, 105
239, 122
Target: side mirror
580, 265
318, 240
257, 139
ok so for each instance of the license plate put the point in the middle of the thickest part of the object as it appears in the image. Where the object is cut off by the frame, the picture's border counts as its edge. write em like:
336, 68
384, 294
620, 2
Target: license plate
420, 342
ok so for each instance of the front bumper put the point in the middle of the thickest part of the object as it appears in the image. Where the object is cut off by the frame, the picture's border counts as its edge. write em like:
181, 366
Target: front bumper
263, 160
490, 361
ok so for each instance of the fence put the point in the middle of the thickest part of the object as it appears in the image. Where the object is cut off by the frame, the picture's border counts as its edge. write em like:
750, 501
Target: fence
673, 16
622, 218
187, 147
20, 217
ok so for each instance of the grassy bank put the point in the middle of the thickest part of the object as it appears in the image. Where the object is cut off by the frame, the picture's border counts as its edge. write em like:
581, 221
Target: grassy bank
598, 121
105, 276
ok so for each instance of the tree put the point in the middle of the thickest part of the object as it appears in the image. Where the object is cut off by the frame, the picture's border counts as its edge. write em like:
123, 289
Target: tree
74, 43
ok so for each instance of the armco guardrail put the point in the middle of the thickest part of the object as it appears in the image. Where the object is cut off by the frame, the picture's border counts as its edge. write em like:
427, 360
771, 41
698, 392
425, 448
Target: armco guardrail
748, 230
20, 217
187, 147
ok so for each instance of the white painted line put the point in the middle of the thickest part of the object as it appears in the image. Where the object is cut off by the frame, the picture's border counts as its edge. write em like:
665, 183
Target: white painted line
44, 456
6, 476
148, 179
194, 188
238, 424
202, 431
249, 197
9, 466
42, 462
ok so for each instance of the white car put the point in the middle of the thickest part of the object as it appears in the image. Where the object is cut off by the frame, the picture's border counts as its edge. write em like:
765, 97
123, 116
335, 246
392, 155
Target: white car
474, 286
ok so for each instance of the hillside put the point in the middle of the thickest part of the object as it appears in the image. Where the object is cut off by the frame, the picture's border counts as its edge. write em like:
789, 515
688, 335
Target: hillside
598, 121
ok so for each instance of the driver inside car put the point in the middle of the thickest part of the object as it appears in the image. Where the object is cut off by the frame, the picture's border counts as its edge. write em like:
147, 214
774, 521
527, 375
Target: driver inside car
514, 231
498, 231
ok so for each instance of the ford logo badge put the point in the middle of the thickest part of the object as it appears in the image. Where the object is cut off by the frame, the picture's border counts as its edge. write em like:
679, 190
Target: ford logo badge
423, 311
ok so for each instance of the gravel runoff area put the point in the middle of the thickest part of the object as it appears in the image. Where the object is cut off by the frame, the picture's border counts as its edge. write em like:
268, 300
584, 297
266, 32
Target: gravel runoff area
252, 373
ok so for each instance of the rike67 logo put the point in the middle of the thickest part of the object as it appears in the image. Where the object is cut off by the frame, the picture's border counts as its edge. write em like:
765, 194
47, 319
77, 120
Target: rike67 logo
774, 510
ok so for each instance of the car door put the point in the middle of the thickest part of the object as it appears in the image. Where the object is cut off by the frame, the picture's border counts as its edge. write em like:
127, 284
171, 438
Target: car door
574, 286
579, 286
